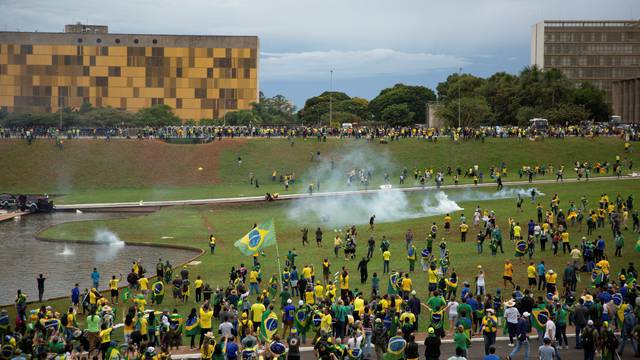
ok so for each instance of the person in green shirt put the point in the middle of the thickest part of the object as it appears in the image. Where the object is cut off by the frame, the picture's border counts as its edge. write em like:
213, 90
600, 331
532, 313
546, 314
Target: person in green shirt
93, 330
461, 339
340, 314
619, 241
561, 316
436, 302
284, 296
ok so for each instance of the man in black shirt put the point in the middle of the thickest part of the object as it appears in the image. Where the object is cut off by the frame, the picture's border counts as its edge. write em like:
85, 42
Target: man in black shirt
411, 351
432, 345
372, 245
40, 280
362, 266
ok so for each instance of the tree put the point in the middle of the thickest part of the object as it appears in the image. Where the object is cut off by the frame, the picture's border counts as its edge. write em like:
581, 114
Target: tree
566, 114
242, 118
474, 111
415, 97
157, 115
397, 115
500, 90
316, 109
593, 100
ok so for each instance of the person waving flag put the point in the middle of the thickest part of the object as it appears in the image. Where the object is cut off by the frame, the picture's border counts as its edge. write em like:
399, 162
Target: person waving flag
259, 237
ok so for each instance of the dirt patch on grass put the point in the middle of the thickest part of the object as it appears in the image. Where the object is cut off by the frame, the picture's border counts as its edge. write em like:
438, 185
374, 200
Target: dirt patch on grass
90, 164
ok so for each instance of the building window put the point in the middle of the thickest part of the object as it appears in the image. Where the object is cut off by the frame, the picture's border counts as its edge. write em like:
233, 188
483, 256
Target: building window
117, 41
155, 41
79, 41
98, 40
135, 41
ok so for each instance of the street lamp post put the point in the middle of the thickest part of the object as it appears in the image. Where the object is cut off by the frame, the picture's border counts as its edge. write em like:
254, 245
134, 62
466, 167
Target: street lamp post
459, 85
331, 98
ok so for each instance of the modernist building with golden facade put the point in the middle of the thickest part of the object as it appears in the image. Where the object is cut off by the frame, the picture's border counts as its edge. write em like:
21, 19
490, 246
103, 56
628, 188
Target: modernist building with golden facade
200, 77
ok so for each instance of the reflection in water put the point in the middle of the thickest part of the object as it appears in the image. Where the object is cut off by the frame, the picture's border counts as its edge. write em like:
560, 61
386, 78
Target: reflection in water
23, 257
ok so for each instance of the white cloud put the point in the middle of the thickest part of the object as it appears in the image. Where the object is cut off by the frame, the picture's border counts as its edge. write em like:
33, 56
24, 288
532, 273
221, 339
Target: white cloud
352, 64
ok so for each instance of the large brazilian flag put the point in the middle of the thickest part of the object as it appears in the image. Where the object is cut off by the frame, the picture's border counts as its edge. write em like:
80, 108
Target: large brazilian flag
269, 326
259, 237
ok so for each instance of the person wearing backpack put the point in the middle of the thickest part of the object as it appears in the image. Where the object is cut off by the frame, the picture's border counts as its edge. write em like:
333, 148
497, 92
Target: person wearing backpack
608, 343
489, 329
629, 322
589, 338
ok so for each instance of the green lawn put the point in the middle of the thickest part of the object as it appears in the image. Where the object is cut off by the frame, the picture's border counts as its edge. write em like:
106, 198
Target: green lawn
190, 226
99, 171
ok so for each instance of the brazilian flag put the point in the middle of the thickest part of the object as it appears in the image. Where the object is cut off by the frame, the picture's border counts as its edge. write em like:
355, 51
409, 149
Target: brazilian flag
126, 294
269, 326
192, 326
301, 318
259, 237
395, 348
540, 317
158, 292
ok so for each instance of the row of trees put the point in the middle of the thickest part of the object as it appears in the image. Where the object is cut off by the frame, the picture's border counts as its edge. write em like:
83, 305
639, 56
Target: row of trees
502, 99
514, 99
87, 116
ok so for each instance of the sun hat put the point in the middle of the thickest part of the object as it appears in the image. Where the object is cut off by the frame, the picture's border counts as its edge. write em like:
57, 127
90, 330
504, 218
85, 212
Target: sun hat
510, 303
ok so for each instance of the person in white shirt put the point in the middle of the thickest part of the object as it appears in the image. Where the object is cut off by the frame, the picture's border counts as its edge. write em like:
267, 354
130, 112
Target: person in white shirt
480, 283
511, 314
452, 307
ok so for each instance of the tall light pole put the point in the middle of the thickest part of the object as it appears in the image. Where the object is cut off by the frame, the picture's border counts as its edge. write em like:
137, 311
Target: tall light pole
459, 85
331, 98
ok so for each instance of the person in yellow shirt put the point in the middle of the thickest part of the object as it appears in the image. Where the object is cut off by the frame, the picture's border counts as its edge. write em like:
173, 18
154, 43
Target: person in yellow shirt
206, 315
464, 228
566, 245
551, 277
330, 294
489, 329
407, 321
253, 282
447, 223
517, 231
113, 288
337, 243
531, 275
326, 322
212, 244
306, 272
143, 284
344, 283
406, 285
105, 339
257, 309
140, 302
386, 258
197, 284
319, 291
309, 295
358, 305
507, 275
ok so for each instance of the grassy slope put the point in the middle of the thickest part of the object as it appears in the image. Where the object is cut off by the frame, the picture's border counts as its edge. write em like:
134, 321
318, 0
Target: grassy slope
99, 171
190, 226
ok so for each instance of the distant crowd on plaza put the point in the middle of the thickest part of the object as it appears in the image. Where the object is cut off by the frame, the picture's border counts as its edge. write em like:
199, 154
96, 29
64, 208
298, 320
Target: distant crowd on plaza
381, 133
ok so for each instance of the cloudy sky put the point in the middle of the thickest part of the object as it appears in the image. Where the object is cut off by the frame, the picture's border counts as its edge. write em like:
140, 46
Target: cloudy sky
370, 44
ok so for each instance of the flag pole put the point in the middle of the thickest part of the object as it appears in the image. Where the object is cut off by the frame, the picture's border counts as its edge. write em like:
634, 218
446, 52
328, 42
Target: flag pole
278, 256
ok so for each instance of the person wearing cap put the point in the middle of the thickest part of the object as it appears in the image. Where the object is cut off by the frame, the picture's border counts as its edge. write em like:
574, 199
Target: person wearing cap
432, 345
589, 341
288, 314
245, 325
489, 329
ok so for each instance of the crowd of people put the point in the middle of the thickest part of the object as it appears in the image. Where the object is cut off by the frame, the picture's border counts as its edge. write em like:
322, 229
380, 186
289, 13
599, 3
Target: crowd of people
274, 316
382, 133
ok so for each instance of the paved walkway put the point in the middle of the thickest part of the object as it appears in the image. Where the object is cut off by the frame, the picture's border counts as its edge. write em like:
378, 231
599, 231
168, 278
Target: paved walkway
249, 199
476, 351
12, 214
